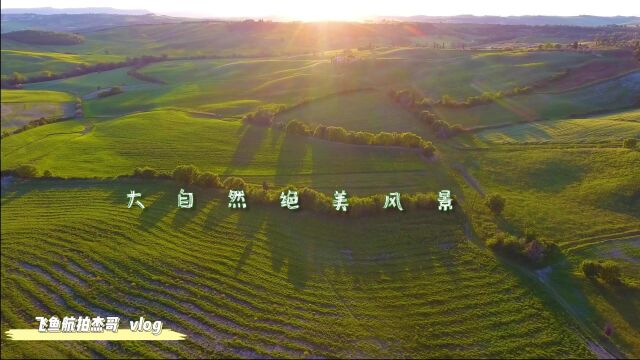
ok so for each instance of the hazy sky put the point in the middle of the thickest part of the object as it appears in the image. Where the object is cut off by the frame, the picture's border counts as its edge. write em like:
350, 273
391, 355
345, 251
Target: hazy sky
350, 10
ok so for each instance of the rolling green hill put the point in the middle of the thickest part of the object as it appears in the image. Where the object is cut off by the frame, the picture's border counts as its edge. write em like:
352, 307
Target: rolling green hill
165, 139
19, 107
36, 62
608, 95
267, 282
562, 192
603, 129
264, 283
32, 96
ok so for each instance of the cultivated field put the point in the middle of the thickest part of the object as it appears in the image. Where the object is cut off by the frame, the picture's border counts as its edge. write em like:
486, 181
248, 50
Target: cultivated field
549, 129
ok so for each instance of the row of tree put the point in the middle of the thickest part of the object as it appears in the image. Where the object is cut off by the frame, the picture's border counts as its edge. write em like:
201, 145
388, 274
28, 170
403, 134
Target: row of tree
527, 248
39, 37
17, 78
342, 135
422, 109
309, 199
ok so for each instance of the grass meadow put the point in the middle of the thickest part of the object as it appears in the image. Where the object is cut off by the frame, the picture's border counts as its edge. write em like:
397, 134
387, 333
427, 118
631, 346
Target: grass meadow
271, 283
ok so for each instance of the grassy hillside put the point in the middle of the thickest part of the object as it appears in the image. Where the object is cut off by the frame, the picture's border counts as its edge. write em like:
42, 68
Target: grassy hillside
165, 139
602, 129
88, 84
257, 284
604, 304
268, 282
29, 96
19, 107
368, 110
35, 62
607, 95
562, 193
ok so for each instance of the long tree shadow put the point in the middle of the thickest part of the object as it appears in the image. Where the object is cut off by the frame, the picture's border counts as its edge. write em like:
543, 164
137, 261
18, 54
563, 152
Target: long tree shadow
248, 146
250, 224
289, 245
201, 197
559, 290
293, 151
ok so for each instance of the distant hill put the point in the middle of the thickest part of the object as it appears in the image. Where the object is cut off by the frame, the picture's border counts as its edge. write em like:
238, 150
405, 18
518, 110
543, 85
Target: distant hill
77, 22
90, 10
582, 20
37, 37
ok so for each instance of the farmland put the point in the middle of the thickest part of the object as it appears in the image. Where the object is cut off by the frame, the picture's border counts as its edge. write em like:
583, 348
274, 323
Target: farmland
19, 107
269, 282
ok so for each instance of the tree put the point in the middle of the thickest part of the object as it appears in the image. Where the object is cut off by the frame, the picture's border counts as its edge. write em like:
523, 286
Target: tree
233, 182
410, 140
26, 171
297, 127
17, 78
186, 174
496, 203
320, 132
145, 172
610, 272
589, 268
384, 139
209, 180
607, 270
629, 143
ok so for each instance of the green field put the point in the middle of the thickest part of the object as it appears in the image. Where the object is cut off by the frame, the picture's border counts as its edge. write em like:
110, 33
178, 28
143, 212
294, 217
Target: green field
165, 139
563, 193
87, 84
19, 107
259, 284
271, 283
35, 62
603, 129
28, 96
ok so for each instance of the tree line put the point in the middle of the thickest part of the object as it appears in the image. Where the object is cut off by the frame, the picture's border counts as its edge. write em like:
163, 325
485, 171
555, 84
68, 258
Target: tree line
310, 199
265, 117
17, 78
39, 37
422, 109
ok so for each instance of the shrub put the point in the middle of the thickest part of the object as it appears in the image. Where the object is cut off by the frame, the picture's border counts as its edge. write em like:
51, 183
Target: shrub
233, 182
320, 132
26, 171
410, 140
263, 117
313, 199
186, 174
428, 117
428, 149
610, 272
630, 143
361, 138
505, 243
607, 270
384, 139
47, 174
589, 268
209, 180
496, 203
338, 134
112, 91
297, 127
146, 173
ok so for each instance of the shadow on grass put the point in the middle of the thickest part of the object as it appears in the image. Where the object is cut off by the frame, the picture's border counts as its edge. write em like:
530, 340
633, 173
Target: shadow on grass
291, 159
248, 146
